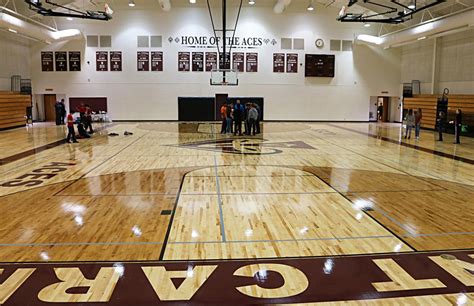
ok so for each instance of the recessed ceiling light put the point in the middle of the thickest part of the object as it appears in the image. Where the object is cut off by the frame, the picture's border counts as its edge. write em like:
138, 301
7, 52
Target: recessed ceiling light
421, 38
310, 6
251, 2
366, 25
131, 3
69, 18
412, 5
192, 1
12, 30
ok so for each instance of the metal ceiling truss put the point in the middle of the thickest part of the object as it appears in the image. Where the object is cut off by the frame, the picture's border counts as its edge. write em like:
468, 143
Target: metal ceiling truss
391, 15
38, 7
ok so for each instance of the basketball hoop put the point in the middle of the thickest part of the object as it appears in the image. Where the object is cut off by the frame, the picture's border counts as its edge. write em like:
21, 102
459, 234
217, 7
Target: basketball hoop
224, 77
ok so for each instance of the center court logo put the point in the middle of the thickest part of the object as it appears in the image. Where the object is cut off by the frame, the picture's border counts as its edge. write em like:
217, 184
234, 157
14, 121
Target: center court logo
248, 146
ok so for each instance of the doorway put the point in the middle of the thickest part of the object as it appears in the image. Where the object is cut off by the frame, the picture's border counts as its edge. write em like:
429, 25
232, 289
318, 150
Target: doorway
49, 109
383, 107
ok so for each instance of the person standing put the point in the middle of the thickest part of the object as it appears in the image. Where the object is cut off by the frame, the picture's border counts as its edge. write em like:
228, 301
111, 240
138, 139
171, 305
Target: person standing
70, 127
410, 120
257, 123
88, 119
63, 111
228, 113
58, 111
380, 112
418, 117
224, 118
458, 126
246, 120
252, 119
441, 117
238, 116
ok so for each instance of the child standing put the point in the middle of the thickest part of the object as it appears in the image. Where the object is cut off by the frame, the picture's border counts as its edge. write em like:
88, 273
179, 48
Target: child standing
410, 119
70, 127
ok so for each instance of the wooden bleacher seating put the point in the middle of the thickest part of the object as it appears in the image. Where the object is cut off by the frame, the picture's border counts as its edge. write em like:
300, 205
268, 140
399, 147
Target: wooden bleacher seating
13, 109
427, 103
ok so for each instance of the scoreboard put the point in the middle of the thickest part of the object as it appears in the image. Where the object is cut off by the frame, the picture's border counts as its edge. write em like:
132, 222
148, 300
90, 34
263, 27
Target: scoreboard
319, 65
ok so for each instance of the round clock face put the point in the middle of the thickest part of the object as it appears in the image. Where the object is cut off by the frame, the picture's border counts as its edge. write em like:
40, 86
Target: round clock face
319, 43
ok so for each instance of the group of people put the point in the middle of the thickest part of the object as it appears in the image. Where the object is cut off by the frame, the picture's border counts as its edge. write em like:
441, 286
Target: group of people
234, 115
60, 109
84, 123
413, 119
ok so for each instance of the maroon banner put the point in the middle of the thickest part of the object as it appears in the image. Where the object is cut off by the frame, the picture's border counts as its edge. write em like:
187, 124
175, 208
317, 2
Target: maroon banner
252, 62
115, 60
74, 60
183, 61
198, 61
224, 64
292, 63
211, 61
143, 61
278, 62
102, 61
156, 61
47, 61
60, 58
238, 61
367, 279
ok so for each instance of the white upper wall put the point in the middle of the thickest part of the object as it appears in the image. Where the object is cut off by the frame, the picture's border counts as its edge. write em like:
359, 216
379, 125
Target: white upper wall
14, 58
454, 63
137, 95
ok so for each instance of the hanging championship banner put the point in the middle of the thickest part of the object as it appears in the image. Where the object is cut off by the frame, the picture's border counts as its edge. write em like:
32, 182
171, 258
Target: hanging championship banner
211, 61
224, 64
292, 63
252, 62
115, 60
183, 61
278, 62
143, 61
198, 61
74, 61
156, 61
238, 61
60, 58
102, 61
47, 61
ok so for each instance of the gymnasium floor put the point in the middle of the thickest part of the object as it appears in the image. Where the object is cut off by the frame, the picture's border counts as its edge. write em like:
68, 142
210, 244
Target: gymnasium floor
302, 213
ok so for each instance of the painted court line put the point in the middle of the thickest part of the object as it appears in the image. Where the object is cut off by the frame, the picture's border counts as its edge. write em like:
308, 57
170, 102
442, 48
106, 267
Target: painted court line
228, 241
284, 240
76, 244
219, 197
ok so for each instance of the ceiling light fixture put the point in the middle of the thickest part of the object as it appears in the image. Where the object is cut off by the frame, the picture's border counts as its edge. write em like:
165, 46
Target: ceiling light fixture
310, 6
421, 38
12, 30
131, 3
251, 2
366, 25
192, 1
69, 18
412, 5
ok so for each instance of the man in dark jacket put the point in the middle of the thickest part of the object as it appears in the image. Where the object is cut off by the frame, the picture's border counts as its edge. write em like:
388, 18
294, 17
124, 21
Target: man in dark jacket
58, 111
238, 116
441, 119
458, 126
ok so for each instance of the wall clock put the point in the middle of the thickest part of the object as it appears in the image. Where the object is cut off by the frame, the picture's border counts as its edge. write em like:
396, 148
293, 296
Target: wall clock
319, 43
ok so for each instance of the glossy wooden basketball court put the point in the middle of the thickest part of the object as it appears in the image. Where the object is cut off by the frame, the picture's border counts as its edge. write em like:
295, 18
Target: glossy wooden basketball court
296, 196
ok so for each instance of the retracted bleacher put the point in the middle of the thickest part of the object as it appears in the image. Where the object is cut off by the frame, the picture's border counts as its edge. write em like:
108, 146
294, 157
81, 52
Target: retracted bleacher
428, 105
13, 109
